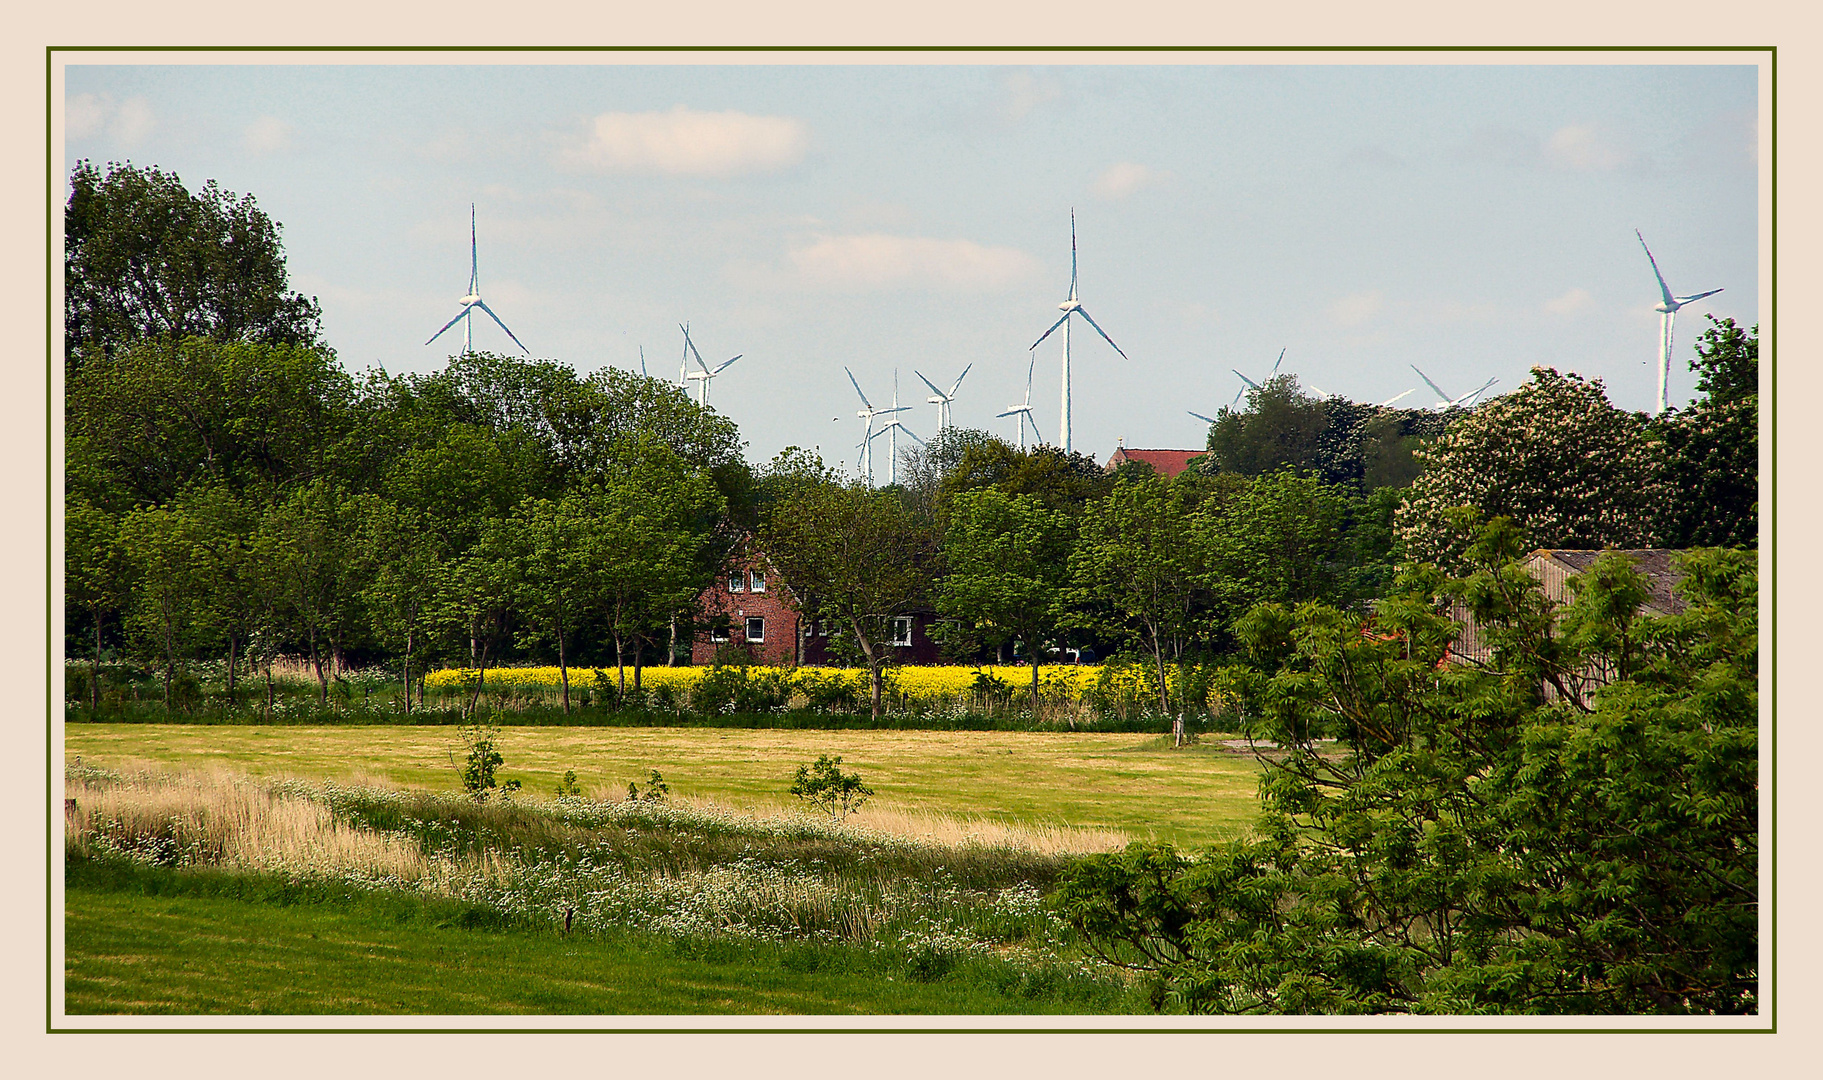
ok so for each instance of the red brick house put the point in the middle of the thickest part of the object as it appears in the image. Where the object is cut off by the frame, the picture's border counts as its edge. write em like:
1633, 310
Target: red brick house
750, 608
1163, 462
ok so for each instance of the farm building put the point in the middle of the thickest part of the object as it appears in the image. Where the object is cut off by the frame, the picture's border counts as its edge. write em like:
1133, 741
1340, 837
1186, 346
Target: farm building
750, 610
1163, 462
1554, 567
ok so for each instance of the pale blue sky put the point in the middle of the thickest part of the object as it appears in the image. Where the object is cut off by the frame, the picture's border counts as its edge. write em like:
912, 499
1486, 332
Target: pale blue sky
1473, 220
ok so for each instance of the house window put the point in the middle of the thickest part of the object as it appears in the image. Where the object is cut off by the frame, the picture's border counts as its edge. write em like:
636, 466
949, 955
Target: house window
757, 581
718, 633
737, 581
823, 628
902, 627
756, 629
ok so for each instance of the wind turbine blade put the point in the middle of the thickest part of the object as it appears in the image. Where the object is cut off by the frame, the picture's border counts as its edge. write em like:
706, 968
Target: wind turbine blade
1200, 416
1047, 333
1682, 300
1014, 411
490, 314
474, 263
1475, 393
1084, 312
909, 433
1028, 379
1662, 287
1072, 253
448, 324
1280, 360
1388, 402
1441, 396
642, 361
957, 385
1320, 392
927, 382
1034, 423
857, 386
725, 363
1244, 379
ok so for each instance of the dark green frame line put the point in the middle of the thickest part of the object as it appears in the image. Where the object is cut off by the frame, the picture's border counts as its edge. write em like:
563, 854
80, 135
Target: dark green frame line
1771, 528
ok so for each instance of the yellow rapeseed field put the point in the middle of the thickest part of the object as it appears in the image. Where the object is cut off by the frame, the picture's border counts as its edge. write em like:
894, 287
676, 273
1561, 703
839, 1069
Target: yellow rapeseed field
944, 681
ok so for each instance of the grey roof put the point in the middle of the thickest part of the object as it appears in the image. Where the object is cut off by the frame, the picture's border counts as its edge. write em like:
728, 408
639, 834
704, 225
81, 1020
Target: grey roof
1655, 564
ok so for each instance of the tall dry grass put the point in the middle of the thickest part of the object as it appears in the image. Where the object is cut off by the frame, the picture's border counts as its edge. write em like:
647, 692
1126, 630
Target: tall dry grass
217, 817
948, 830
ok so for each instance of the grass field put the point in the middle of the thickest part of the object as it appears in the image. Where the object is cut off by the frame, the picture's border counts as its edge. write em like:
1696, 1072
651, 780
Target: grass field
1136, 784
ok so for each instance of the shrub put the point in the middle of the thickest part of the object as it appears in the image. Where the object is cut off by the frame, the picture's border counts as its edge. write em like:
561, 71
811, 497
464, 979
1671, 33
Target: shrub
825, 786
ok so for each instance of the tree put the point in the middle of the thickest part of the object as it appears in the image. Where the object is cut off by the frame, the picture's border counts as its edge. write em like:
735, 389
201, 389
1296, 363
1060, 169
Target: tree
1280, 428
1008, 561
309, 540
1279, 540
855, 557
825, 786
1567, 467
1139, 568
1466, 845
145, 258
1710, 452
404, 564
166, 613
95, 572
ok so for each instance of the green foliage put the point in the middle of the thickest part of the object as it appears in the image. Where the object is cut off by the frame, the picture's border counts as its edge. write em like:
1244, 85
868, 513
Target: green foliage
1568, 468
1470, 843
145, 258
1279, 429
825, 786
568, 786
1710, 452
656, 789
479, 744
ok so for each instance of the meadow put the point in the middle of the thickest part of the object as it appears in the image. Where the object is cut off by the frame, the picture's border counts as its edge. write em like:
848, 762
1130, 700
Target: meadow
342, 869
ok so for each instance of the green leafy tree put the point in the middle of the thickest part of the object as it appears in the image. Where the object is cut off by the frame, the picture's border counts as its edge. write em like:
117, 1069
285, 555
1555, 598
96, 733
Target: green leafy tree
1568, 468
404, 560
825, 786
1467, 845
95, 573
166, 614
1710, 452
146, 258
1008, 571
1280, 427
1279, 539
1140, 567
855, 557
309, 540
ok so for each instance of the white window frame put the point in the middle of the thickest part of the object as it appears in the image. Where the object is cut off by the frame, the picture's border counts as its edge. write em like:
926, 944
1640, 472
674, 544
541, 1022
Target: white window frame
902, 621
751, 636
717, 636
737, 581
756, 581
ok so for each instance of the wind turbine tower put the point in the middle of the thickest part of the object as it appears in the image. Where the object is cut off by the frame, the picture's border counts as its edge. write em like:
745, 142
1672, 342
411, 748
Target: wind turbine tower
1024, 409
705, 374
473, 300
1667, 309
1072, 306
866, 461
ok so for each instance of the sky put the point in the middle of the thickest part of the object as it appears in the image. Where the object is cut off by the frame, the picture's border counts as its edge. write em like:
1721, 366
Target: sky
1471, 220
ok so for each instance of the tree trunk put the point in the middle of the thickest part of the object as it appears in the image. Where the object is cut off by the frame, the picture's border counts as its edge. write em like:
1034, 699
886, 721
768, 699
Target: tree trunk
1034, 657
95, 669
563, 669
480, 681
269, 689
874, 666
233, 656
671, 657
1158, 657
620, 663
408, 670
322, 681
639, 654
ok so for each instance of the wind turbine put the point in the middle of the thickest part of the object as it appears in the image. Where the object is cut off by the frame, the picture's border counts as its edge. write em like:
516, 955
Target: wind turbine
1072, 306
866, 461
1248, 384
1024, 409
706, 375
942, 400
473, 300
1668, 308
1444, 401
895, 426
1388, 403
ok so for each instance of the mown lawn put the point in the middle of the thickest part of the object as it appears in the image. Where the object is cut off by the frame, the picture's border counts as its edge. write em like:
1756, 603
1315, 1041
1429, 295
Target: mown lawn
1135, 783
130, 952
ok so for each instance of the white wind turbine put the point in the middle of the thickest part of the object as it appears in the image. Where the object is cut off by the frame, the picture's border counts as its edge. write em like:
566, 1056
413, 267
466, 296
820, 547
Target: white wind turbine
1444, 401
705, 375
1249, 384
866, 461
1072, 306
942, 400
473, 300
894, 427
1024, 409
1667, 307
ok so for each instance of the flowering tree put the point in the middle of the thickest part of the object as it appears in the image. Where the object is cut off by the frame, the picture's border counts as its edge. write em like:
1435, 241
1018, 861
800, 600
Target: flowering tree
1568, 467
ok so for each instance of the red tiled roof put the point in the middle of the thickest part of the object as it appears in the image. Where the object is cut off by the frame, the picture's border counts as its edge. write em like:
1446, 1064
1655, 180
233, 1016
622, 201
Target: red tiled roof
1163, 462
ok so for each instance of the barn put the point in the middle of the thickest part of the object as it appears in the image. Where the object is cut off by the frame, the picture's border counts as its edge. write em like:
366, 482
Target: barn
1163, 462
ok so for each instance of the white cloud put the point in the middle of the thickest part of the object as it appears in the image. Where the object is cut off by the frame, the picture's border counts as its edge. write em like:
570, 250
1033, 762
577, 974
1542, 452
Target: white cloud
1584, 148
1573, 301
1123, 179
267, 135
877, 261
1026, 91
84, 115
129, 122
1356, 308
685, 142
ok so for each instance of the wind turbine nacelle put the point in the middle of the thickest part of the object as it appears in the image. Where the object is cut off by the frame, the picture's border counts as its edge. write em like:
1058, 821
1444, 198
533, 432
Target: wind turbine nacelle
699, 375
1664, 308
937, 400
470, 300
1069, 305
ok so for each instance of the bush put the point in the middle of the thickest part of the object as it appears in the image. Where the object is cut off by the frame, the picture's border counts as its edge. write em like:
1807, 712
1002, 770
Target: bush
825, 786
